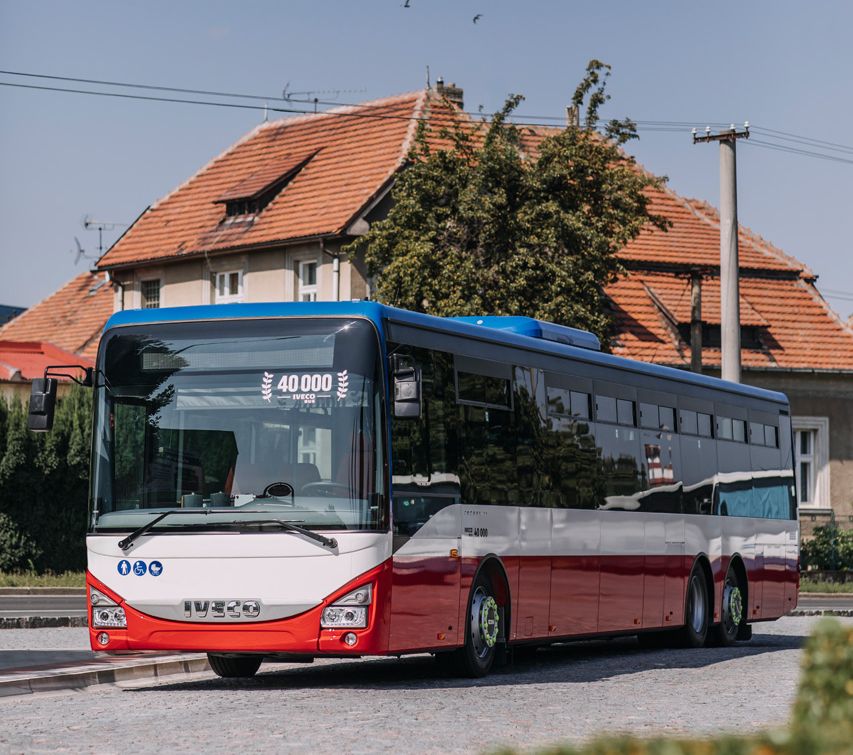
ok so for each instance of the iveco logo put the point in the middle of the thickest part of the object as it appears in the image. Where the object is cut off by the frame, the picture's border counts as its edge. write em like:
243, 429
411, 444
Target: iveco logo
222, 609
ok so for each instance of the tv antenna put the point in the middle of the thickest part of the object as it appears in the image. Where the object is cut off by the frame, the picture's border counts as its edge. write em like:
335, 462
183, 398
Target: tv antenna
312, 96
81, 252
89, 223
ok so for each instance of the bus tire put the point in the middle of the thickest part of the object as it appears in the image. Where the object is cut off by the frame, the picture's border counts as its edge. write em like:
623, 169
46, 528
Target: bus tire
696, 619
482, 628
234, 668
732, 616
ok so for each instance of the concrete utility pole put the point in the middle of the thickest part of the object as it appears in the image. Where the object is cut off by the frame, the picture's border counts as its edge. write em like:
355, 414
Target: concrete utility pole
729, 288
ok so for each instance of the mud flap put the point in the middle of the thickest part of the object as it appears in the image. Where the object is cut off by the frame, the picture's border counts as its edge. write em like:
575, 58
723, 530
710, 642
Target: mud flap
744, 632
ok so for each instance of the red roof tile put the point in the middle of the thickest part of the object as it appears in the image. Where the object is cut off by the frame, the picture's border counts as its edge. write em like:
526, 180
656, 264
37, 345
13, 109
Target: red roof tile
357, 150
25, 360
798, 330
71, 319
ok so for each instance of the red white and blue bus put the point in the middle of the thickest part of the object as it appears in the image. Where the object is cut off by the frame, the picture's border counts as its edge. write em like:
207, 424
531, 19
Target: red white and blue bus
291, 481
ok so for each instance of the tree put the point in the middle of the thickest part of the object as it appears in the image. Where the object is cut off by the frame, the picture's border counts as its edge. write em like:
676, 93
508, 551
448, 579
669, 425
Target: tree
479, 226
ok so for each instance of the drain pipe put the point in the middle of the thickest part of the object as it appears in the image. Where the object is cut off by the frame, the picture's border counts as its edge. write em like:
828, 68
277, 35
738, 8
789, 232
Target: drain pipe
336, 271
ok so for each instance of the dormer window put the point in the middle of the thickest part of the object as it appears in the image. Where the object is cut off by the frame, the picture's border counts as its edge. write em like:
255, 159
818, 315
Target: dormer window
247, 199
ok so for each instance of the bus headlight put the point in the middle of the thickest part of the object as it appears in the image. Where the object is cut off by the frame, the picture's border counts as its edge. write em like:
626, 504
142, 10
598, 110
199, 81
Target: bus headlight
349, 610
344, 616
108, 616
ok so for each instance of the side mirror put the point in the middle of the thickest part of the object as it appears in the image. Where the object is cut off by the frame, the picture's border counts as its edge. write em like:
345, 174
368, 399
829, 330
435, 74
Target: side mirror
42, 404
407, 391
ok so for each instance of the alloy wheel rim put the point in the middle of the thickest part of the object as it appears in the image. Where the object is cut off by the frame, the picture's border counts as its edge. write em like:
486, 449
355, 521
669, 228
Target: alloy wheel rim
732, 606
485, 622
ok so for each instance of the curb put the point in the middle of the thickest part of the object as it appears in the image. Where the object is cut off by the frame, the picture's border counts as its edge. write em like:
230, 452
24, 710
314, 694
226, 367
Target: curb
821, 612
87, 677
42, 591
42, 622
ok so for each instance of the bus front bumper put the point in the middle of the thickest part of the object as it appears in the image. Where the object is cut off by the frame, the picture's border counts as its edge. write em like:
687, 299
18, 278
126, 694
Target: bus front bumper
299, 635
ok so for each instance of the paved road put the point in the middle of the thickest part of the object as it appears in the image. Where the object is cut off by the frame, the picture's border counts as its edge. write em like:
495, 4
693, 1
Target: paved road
812, 602
42, 605
570, 692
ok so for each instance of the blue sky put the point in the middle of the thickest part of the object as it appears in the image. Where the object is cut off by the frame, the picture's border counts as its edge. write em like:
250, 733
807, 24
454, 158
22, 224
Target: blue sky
781, 65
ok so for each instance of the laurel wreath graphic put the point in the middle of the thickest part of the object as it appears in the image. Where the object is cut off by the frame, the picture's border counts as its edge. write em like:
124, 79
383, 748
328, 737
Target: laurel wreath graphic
343, 385
266, 386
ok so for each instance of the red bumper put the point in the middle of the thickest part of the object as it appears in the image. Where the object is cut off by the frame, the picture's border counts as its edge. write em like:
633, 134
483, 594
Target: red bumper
297, 634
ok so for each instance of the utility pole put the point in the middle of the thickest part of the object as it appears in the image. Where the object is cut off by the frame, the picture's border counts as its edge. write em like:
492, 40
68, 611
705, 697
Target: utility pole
729, 286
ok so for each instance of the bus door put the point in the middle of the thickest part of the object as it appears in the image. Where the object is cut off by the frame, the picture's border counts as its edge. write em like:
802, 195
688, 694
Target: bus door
426, 571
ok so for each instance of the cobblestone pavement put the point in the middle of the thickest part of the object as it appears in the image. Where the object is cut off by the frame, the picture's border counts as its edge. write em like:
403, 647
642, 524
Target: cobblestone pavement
569, 692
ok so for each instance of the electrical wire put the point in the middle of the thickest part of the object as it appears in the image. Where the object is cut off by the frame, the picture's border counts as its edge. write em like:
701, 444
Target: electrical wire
783, 141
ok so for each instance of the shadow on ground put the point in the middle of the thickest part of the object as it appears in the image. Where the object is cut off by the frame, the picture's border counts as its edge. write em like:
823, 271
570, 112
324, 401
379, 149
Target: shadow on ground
579, 662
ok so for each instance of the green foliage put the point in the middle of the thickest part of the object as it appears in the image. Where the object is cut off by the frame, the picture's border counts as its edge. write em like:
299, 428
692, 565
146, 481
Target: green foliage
479, 227
824, 706
831, 549
44, 481
17, 550
814, 585
31, 578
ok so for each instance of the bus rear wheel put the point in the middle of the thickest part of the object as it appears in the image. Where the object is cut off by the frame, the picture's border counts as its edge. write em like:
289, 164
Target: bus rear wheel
696, 620
482, 629
731, 610
231, 668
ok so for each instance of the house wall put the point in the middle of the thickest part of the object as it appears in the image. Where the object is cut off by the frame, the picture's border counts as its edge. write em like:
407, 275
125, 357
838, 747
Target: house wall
822, 395
11, 391
268, 275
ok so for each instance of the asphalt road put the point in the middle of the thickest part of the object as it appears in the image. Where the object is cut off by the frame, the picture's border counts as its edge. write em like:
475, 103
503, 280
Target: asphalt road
565, 693
42, 605
809, 602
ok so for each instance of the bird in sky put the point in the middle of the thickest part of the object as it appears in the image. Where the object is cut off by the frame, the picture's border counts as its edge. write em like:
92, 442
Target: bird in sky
478, 17
406, 4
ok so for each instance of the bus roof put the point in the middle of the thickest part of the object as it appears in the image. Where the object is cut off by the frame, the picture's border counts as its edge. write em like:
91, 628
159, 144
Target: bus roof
466, 328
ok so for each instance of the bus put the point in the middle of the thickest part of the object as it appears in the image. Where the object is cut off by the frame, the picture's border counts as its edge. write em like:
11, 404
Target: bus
288, 481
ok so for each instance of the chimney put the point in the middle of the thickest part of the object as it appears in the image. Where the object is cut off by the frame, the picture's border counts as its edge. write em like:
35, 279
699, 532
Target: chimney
450, 91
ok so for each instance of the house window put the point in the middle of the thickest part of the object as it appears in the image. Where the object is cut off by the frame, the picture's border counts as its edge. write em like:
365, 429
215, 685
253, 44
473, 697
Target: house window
307, 281
229, 287
811, 460
150, 291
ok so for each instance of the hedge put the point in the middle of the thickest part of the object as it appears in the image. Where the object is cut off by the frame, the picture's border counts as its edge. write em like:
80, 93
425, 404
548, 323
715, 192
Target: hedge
44, 481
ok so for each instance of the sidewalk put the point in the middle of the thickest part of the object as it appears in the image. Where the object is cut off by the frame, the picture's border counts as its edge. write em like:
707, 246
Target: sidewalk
36, 660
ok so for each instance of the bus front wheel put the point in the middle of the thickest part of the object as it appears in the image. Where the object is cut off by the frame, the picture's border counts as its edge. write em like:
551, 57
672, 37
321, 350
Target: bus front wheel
231, 668
482, 629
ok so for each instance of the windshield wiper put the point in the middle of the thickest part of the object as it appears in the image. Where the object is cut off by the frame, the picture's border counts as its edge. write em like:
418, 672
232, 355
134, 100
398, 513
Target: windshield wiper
286, 524
328, 542
128, 541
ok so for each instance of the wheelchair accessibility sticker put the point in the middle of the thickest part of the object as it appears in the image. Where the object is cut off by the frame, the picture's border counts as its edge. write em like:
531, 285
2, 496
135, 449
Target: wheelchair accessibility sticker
139, 568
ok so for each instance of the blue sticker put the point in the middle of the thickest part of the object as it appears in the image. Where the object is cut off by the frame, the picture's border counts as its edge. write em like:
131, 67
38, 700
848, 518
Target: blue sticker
124, 567
155, 568
139, 568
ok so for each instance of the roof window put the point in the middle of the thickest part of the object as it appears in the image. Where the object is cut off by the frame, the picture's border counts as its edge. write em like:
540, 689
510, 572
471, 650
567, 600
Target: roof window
249, 196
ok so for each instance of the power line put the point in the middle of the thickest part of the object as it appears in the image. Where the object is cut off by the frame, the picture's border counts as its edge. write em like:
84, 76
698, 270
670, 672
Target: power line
797, 151
779, 137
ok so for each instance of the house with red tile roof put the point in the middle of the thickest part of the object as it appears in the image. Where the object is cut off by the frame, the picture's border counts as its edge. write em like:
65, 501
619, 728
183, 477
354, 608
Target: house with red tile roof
21, 361
266, 220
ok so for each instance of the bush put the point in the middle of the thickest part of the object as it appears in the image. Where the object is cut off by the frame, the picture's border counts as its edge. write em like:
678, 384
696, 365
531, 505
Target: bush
44, 481
824, 707
17, 550
830, 549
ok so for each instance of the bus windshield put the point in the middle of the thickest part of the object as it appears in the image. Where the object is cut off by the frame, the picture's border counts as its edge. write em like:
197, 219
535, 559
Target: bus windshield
240, 421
